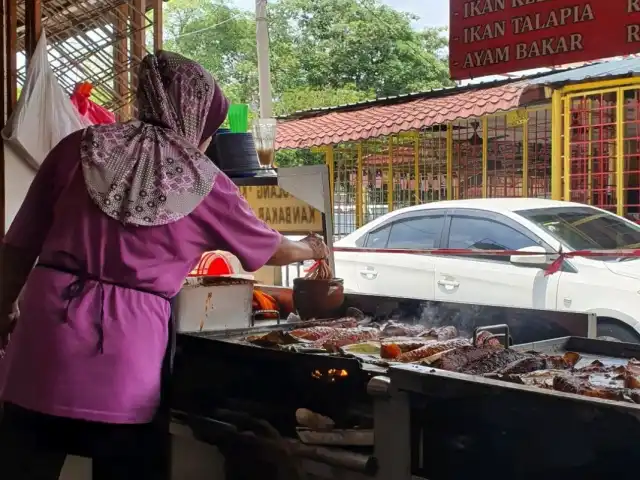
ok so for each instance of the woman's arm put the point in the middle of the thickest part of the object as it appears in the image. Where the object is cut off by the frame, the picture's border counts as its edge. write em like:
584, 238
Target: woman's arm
290, 251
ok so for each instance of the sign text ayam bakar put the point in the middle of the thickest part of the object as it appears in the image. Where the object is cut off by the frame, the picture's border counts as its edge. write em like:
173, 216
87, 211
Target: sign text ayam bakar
499, 36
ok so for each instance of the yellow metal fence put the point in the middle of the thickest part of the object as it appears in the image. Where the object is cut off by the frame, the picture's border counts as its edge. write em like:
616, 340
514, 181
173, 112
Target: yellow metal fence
601, 148
470, 158
583, 147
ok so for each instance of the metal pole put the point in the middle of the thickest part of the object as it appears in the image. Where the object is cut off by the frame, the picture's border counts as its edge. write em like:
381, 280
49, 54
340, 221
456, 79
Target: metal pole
264, 70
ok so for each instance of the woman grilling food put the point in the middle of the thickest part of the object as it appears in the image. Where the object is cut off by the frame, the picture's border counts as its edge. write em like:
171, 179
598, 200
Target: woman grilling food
115, 219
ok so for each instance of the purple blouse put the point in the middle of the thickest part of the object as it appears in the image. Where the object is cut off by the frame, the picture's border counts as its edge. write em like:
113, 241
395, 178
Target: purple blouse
52, 364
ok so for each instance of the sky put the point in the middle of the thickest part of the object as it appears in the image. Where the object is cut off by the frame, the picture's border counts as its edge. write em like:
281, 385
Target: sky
432, 13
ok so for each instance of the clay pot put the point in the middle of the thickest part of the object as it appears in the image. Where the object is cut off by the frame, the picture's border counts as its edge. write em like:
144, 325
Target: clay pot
318, 298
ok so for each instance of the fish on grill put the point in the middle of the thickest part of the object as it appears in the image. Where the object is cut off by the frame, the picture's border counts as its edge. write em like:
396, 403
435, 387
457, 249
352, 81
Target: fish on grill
570, 384
272, 339
432, 348
395, 329
348, 336
395, 346
313, 333
346, 322
460, 358
496, 360
487, 339
441, 333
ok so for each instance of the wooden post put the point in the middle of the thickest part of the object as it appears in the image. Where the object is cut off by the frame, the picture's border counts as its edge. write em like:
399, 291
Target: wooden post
11, 26
157, 25
137, 42
120, 57
33, 26
3, 119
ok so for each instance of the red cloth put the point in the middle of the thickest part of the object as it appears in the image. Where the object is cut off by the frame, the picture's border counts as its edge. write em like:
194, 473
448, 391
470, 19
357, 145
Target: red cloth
90, 110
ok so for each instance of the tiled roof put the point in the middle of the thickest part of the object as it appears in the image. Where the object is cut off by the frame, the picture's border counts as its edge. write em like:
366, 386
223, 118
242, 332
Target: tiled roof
380, 120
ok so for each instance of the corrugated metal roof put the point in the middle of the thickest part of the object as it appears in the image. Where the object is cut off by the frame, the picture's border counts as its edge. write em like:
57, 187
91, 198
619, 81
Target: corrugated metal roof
626, 67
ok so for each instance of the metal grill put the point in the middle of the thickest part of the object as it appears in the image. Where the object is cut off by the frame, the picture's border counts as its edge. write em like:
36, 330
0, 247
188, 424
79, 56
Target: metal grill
471, 158
590, 149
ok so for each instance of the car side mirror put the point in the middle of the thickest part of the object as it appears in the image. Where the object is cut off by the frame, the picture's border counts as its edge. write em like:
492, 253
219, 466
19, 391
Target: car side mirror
541, 260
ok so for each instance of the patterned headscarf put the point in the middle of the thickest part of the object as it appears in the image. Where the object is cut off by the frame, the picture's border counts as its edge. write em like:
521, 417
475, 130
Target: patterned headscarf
150, 171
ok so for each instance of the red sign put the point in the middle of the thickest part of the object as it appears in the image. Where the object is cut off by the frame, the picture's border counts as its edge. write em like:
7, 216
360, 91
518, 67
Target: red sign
489, 37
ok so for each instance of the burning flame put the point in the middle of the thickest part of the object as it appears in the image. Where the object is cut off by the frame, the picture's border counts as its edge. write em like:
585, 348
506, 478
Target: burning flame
330, 374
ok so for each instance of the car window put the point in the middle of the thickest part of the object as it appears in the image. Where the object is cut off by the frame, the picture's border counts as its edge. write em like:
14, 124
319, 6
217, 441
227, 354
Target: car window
417, 232
485, 234
585, 228
378, 238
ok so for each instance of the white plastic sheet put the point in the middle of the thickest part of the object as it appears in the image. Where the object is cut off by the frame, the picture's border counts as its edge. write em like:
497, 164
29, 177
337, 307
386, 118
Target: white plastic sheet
44, 115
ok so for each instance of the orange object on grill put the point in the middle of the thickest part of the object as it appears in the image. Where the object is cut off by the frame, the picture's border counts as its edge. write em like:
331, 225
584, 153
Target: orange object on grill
263, 301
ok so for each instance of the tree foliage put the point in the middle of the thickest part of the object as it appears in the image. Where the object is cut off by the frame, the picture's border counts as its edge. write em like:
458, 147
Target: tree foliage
323, 52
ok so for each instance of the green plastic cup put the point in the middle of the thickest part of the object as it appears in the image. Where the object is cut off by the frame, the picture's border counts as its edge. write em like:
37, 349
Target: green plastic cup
238, 118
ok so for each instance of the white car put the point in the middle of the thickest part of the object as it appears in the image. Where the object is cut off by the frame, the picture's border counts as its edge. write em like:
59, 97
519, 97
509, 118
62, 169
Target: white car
606, 286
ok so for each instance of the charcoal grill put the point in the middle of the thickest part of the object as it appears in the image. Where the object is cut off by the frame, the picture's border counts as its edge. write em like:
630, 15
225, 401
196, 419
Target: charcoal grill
216, 373
455, 425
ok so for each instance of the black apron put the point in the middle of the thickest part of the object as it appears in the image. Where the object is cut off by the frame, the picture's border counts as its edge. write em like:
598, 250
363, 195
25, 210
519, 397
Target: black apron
160, 449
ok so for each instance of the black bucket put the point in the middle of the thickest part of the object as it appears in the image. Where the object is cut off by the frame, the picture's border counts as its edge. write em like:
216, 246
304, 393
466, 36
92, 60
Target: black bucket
234, 154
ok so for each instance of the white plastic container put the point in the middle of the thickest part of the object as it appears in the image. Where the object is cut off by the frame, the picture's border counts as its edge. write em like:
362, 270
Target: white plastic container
207, 304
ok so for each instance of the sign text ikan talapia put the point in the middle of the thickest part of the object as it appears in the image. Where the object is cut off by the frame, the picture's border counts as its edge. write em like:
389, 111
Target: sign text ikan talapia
282, 211
489, 37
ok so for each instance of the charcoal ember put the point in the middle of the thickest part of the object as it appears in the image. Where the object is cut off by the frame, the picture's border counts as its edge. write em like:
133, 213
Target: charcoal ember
460, 358
431, 349
395, 329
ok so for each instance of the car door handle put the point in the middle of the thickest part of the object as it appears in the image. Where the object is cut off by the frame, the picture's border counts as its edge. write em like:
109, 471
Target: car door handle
369, 273
449, 284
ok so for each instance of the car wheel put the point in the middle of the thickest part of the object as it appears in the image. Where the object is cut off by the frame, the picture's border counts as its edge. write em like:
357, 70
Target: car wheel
613, 331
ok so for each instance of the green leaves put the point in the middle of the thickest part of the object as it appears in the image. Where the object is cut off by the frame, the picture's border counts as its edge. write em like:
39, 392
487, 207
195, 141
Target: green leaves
323, 52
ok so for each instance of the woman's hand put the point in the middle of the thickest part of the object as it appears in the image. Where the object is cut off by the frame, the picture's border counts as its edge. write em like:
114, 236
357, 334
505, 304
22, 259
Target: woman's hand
6, 328
312, 247
319, 248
